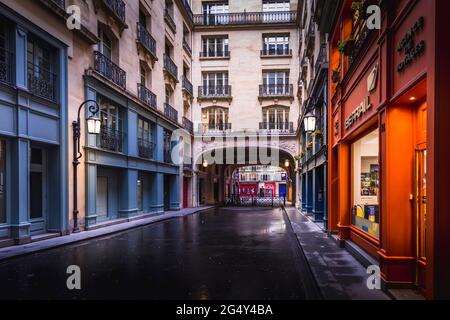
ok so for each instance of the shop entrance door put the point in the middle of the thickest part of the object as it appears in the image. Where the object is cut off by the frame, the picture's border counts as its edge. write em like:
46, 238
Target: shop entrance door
420, 196
38, 190
185, 192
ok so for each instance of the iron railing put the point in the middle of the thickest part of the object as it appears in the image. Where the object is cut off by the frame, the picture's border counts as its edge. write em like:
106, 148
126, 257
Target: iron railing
110, 139
211, 127
170, 112
255, 200
42, 82
187, 85
187, 46
245, 18
281, 127
145, 39
271, 90
188, 125
169, 20
146, 96
188, 9
117, 7
269, 52
110, 70
215, 54
6, 66
321, 58
170, 66
214, 92
145, 148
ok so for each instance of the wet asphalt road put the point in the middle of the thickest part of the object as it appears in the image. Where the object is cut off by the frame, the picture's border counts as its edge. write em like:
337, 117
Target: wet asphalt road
218, 254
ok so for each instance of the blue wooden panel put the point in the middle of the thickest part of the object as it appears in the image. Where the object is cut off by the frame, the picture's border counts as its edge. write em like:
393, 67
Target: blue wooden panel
42, 128
7, 119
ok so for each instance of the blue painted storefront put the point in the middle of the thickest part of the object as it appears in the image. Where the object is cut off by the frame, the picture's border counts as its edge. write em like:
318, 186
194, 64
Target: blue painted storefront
33, 132
123, 174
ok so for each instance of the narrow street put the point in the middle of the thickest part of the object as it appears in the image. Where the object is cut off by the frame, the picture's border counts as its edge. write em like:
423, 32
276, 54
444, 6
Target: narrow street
217, 254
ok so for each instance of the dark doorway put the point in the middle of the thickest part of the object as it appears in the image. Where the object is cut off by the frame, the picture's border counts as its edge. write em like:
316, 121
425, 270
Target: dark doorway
166, 192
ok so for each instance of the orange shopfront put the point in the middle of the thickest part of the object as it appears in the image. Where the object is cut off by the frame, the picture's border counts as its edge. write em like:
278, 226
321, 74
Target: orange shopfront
382, 133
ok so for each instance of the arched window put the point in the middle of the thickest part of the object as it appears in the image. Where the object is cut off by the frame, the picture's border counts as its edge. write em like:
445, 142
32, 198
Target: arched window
275, 118
215, 119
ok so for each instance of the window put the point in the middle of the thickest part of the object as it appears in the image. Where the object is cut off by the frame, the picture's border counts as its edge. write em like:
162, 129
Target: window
3, 181
276, 118
276, 82
167, 146
215, 47
215, 83
215, 118
169, 95
365, 184
145, 139
111, 125
215, 12
143, 20
276, 5
5, 55
276, 45
105, 45
41, 73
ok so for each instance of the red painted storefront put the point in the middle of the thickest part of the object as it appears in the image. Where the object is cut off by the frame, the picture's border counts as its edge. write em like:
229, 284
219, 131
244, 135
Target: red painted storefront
388, 134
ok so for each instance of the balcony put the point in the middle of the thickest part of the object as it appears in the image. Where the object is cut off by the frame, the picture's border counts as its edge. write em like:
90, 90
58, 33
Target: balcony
110, 139
214, 93
170, 67
170, 112
277, 127
41, 82
146, 96
211, 54
169, 20
145, 148
214, 127
188, 87
276, 90
278, 52
110, 70
245, 18
146, 41
187, 47
6, 66
188, 125
188, 9
115, 9
322, 61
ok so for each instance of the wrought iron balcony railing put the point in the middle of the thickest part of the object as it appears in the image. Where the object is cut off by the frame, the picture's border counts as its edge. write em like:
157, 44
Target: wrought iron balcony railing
188, 9
215, 54
214, 127
187, 86
146, 40
276, 90
110, 70
117, 8
188, 125
266, 52
281, 127
170, 112
169, 20
6, 66
42, 82
214, 92
145, 148
245, 18
110, 139
146, 96
321, 58
170, 66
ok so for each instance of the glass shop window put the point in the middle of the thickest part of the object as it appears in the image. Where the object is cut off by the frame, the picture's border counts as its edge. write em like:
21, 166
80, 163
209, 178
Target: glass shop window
365, 184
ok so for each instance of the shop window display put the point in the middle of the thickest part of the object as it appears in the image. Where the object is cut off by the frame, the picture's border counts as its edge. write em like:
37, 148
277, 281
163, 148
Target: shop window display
365, 184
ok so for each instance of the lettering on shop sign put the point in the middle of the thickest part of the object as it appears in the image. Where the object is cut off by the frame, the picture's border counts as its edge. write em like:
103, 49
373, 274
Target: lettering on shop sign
408, 46
362, 109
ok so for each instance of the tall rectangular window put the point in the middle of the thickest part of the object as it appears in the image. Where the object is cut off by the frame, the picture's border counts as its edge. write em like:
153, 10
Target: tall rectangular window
276, 45
215, 13
111, 125
215, 46
365, 184
276, 5
6, 66
276, 82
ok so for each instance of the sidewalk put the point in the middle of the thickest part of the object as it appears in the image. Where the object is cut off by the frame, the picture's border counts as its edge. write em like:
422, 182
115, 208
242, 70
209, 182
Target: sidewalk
16, 251
339, 275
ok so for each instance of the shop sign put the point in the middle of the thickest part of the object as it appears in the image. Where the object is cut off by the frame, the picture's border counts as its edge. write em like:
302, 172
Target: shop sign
408, 46
361, 110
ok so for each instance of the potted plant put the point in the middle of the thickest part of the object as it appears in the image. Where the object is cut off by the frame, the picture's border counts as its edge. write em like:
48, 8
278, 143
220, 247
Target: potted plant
309, 146
318, 134
336, 75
